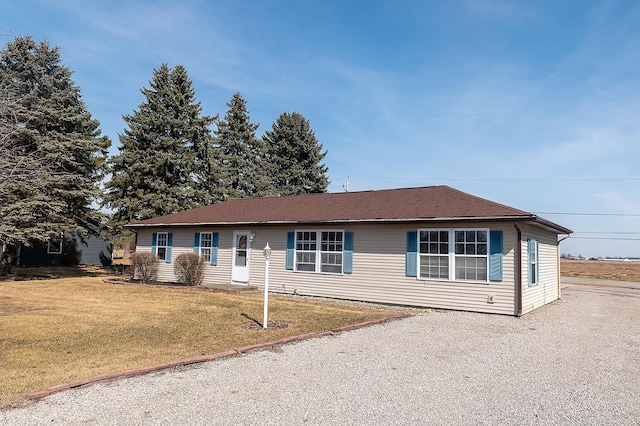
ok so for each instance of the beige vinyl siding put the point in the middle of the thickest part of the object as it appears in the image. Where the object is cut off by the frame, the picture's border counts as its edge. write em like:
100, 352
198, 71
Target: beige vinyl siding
379, 267
379, 272
547, 290
183, 239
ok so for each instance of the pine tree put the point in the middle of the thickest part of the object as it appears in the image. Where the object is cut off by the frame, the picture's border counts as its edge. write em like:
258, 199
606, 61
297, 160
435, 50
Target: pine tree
47, 131
296, 155
245, 171
165, 164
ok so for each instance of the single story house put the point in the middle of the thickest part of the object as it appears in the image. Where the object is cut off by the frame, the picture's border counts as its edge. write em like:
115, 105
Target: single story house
431, 246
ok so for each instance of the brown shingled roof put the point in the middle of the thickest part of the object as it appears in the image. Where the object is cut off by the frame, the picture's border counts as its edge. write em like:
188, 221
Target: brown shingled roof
408, 204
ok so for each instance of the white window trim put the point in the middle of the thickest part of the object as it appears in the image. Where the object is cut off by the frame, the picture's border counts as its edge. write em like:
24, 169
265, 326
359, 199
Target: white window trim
158, 246
318, 251
59, 251
452, 255
202, 249
420, 255
533, 261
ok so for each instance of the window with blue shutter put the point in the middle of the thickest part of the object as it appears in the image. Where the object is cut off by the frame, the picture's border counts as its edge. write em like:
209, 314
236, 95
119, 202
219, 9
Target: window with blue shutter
495, 256
320, 251
412, 254
161, 245
347, 261
205, 244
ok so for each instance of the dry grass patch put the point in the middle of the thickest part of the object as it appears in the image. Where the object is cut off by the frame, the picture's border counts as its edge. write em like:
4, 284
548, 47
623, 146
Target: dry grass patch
59, 331
605, 270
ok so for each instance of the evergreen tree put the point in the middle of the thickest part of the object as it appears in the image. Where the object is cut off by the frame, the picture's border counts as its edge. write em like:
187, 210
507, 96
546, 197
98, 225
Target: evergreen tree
296, 156
52, 151
165, 163
245, 171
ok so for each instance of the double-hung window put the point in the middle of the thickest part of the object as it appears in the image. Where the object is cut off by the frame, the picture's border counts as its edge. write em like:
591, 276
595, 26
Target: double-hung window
161, 247
471, 255
319, 251
206, 238
453, 254
434, 254
306, 250
533, 256
331, 252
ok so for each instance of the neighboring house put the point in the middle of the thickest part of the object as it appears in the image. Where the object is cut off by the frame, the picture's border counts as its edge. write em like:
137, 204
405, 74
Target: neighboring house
432, 246
66, 251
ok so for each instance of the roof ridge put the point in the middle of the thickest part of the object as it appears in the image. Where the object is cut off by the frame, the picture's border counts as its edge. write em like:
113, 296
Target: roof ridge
426, 203
490, 201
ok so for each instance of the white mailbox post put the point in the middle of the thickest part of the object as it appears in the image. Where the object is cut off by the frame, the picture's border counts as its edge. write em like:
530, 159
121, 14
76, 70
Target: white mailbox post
267, 253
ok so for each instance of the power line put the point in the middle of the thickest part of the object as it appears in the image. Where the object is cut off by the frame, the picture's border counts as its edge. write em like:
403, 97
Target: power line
606, 232
605, 238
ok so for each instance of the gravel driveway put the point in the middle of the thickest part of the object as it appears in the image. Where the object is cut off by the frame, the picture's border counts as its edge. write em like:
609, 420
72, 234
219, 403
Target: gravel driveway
576, 361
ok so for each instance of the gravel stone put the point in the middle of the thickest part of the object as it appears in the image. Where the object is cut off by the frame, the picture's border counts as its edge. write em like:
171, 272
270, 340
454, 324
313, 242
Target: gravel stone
575, 361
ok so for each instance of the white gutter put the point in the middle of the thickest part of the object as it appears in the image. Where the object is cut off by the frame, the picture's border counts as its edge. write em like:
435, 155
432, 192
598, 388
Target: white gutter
294, 222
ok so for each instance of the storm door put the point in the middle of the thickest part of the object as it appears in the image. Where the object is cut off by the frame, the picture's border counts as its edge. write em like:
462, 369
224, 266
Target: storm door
241, 251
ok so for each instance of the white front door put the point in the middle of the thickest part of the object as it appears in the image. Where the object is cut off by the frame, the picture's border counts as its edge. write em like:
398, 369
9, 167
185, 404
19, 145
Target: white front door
241, 251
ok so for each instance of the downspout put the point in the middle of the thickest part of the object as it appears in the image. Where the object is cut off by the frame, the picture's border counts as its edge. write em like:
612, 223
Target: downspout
559, 288
519, 272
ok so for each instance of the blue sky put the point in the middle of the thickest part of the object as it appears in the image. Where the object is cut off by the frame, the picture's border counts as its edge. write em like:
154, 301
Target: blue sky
530, 104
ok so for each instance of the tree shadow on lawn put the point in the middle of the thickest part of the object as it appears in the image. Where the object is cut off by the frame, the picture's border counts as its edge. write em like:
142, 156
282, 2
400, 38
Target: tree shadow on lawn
19, 273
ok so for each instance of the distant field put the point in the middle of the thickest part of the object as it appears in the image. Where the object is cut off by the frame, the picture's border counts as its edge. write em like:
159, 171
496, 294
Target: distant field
618, 271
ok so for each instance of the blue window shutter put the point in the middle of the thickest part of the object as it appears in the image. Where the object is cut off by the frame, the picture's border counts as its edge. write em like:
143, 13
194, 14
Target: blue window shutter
495, 255
347, 255
169, 244
291, 242
214, 249
537, 261
196, 243
154, 243
412, 254
529, 242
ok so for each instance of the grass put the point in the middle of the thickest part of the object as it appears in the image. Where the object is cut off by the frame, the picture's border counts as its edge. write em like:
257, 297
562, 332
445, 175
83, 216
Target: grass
605, 270
61, 330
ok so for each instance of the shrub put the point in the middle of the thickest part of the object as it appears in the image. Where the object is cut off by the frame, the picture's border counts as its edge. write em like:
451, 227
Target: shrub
105, 260
145, 266
189, 268
70, 253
